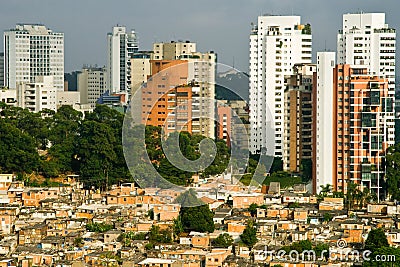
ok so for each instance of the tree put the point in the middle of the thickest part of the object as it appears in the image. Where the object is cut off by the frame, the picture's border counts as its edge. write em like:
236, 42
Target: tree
391, 255
319, 248
277, 165
223, 241
306, 169
350, 195
17, 150
151, 214
198, 218
392, 171
249, 235
325, 190
160, 236
376, 239
99, 227
253, 209
178, 226
96, 153
328, 217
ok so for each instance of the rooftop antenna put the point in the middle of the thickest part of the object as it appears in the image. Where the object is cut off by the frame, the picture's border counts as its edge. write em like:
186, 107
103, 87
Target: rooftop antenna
233, 62
292, 10
325, 46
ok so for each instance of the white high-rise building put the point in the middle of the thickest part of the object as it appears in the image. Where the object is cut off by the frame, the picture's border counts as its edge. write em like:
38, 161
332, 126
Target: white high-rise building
276, 44
324, 115
121, 46
366, 40
31, 51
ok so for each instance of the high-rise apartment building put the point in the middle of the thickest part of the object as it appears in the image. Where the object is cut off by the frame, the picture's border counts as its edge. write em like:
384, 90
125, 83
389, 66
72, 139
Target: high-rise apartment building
276, 44
121, 46
31, 51
201, 72
323, 117
92, 84
350, 148
366, 40
297, 145
362, 116
168, 101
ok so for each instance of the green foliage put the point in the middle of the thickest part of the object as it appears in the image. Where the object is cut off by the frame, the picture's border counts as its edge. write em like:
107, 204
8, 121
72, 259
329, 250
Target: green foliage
285, 178
253, 209
392, 171
326, 190
127, 237
149, 246
306, 169
376, 239
223, 241
249, 235
160, 236
178, 226
319, 248
307, 29
277, 165
99, 227
91, 147
17, 150
151, 214
328, 217
299, 246
197, 218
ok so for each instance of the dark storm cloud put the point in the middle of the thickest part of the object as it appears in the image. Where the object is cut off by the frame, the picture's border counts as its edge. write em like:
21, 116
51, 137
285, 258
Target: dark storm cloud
222, 26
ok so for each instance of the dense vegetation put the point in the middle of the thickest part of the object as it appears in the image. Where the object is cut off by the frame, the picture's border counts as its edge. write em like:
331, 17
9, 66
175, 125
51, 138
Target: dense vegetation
198, 218
249, 235
378, 244
223, 241
52, 143
392, 171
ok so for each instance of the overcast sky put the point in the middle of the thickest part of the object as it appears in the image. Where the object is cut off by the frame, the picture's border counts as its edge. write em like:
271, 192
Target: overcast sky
219, 25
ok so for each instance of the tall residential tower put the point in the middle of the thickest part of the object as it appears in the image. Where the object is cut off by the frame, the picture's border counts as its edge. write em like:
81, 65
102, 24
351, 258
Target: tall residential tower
121, 46
276, 44
31, 51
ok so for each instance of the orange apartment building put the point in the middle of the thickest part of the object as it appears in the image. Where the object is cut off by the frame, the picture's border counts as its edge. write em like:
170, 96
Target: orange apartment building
173, 102
362, 106
166, 97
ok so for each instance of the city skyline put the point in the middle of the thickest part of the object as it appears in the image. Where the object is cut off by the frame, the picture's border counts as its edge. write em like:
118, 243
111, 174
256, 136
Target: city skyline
225, 29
